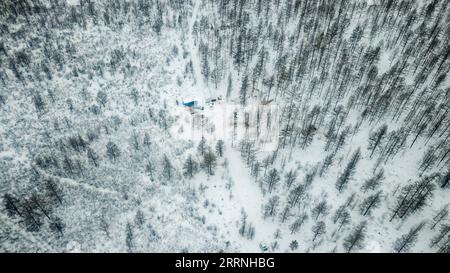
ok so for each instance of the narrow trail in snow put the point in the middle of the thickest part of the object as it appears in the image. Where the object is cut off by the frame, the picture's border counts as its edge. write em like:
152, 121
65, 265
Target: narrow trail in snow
246, 191
249, 196
194, 53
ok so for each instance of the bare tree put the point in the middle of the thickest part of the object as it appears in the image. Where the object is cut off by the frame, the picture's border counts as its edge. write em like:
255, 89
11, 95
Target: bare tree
376, 138
290, 178
442, 239
112, 151
318, 230
220, 147
270, 209
373, 182
168, 169
321, 209
209, 162
129, 238
298, 223
349, 170
439, 216
370, 203
355, 239
407, 241
272, 179
190, 167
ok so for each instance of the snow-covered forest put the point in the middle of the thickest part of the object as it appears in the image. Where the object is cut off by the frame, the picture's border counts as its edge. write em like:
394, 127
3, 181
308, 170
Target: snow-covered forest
318, 126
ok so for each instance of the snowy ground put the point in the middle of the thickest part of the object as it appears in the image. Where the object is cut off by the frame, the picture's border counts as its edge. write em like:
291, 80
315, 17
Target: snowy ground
104, 204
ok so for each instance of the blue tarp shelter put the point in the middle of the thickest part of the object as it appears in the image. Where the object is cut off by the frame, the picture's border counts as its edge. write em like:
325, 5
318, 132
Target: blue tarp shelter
190, 103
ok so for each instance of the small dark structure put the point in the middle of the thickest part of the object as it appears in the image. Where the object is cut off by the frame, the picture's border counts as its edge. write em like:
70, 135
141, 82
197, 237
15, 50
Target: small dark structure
191, 103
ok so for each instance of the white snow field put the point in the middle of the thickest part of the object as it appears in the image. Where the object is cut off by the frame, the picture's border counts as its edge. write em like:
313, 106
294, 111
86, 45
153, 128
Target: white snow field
329, 130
